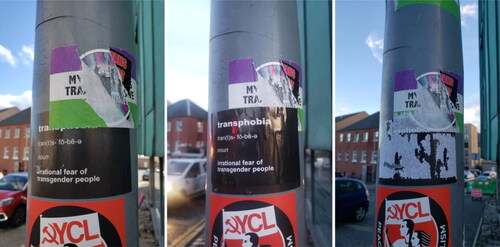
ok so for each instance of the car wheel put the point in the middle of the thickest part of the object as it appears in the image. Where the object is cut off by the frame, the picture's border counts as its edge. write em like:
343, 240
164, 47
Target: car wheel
18, 217
360, 213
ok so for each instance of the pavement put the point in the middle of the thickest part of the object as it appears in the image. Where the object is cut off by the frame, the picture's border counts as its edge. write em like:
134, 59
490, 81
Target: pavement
488, 233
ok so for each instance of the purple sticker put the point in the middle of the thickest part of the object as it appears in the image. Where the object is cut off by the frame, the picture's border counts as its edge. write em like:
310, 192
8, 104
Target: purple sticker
241, 70
405, 80
460, 88
64, 59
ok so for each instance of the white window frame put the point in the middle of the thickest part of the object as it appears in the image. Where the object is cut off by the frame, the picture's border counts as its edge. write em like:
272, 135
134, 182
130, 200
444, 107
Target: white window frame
27, 132
0, 133
339, 155
6, 153
346, 156
26, 153
200, 126
341, 138
178, 126
348, 137
15, 153
375, 136
365, 136
374, 157
7, 133
363, 156
17, 133
169, 126
356, 136
355, 156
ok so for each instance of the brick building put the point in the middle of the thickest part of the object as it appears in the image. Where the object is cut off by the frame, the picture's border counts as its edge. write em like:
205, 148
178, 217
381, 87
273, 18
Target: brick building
356, 149
7, 112
187, 126
15, 141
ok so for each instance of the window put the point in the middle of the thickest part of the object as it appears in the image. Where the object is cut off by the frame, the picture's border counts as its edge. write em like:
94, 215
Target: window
466, 161
365, 136
169, 126
179, 126
374, 157
6, 152
363, 156
194, 171
466, 138
354, 156
26, 153
17, 133
339, 155
0, 133
466, 153
375, 136
466, 129
356, 137
27, 132
346, 156
341, 137
200, 127
7, 133
15, 153
348, 137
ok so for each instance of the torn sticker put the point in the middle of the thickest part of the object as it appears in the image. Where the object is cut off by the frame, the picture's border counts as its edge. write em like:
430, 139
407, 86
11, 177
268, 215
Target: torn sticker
273, 84
95, 89
413, 159
431, 102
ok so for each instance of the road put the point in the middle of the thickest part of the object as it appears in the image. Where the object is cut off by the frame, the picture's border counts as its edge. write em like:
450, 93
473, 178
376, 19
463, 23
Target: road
362, 233
183, 219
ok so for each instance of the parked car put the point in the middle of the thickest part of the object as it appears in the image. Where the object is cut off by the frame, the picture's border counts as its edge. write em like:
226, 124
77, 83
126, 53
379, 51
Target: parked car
351, 199
145, 175
186, 178
487, 175
13, 195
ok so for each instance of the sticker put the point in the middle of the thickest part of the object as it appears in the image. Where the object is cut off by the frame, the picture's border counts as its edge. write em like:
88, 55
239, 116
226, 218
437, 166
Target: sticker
417, 158
273, 84
83, 161
76, 224
262, 221
95, 89
255, 150
431, 102
413, 217
451, 6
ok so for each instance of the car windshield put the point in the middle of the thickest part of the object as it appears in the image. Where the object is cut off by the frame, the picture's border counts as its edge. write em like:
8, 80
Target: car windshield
14, 183
176, 167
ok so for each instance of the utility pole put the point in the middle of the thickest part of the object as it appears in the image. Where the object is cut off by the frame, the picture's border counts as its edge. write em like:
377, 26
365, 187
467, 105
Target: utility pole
83, 169
420, 186
255, 191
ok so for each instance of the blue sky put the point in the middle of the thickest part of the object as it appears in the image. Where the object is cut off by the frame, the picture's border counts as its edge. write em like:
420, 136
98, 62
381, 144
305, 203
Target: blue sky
17, 38
359, 38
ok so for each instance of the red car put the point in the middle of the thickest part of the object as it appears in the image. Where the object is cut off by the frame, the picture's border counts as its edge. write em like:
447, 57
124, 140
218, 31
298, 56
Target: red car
13, 194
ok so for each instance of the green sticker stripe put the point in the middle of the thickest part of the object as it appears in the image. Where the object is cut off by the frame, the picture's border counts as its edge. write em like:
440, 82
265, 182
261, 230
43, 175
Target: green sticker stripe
450, 5
460, 121
133, 111
300, 114
64, 114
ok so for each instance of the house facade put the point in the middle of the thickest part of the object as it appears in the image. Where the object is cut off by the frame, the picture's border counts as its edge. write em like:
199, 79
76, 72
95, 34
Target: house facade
356, 149
15, 142
187, 126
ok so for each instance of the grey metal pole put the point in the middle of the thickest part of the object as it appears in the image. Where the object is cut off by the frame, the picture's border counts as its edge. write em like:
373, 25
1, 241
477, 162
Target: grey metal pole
420, 186
255, 186
83, 167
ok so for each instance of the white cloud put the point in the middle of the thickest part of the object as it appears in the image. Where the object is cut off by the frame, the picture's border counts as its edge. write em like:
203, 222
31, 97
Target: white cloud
22, 101
468, 11
472, 111
6, 56
376, 46
27, 54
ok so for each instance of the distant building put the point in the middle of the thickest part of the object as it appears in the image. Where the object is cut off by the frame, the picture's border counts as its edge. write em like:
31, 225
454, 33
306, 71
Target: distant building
15, 142
356, 149
187, 126
7, 112
346, 120
471, 146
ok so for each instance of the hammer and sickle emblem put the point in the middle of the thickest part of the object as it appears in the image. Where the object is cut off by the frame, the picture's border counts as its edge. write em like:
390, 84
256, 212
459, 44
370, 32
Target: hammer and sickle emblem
233, 228
52, 238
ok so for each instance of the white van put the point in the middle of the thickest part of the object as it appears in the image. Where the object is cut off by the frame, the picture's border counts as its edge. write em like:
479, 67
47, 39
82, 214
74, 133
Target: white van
186, 178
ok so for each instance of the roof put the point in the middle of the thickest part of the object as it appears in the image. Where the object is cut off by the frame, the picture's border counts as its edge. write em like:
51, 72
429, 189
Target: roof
7, 109
340, 118
186, 108
22, 117
370, 122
